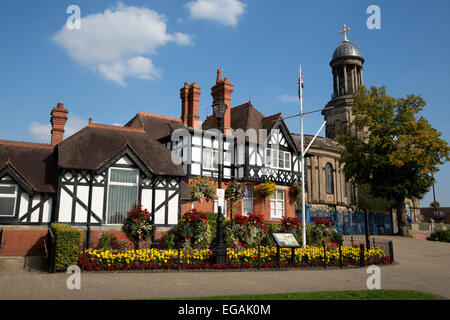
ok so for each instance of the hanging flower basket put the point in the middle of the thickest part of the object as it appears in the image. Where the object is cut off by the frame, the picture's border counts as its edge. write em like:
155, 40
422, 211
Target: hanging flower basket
267, 189
203, 187
297, 191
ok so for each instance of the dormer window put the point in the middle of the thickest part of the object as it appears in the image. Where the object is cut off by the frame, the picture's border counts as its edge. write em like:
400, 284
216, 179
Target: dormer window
278, 159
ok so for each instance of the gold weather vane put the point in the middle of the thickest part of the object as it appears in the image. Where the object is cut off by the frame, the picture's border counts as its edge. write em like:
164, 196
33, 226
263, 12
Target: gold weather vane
345, 32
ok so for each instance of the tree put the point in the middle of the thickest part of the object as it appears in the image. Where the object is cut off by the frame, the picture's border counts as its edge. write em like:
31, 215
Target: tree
389, 146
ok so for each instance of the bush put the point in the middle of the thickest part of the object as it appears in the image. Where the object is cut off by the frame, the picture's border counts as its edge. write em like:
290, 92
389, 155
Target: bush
107, 241
169, 240
138, 225
248, 230
68, 242
441, 235
195, 230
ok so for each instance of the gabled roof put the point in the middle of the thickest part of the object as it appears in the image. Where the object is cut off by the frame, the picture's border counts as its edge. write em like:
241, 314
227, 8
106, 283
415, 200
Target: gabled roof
95, 145
156, 126
31, 164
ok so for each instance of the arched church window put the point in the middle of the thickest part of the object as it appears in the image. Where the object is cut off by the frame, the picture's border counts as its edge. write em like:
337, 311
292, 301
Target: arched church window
329, 178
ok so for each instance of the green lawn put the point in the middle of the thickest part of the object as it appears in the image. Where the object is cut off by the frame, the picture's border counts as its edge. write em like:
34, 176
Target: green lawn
332, 295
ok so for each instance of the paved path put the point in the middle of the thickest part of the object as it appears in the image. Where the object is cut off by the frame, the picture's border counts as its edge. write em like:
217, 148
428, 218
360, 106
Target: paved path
422, 265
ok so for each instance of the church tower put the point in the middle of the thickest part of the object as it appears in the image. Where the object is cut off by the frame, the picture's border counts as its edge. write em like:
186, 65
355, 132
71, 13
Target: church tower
346, 66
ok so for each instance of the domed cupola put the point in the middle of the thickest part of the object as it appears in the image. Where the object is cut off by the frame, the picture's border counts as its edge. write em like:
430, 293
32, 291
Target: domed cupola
347, 50
346, 65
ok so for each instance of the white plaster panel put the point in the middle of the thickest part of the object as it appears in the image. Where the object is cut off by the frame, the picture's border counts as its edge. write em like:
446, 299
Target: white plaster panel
173, 209
160, 214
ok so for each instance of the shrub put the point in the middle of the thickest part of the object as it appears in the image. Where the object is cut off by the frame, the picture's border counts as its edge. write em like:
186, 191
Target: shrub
248, 230
123, 244
68, 242
441, 235
107, 241
194, 231
169, 240
294, 226
138, 225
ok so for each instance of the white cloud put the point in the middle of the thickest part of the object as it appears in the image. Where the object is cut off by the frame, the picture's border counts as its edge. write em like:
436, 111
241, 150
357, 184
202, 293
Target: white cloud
287, 98
115, 42
226, 12
42, 132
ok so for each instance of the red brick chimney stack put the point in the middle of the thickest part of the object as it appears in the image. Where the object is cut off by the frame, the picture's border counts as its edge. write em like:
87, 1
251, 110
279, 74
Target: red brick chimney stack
223, 90
190, 95
184, 92
58, 120
193, 102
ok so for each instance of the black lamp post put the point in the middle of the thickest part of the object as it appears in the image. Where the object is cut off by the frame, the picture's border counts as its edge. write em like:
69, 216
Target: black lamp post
220, 253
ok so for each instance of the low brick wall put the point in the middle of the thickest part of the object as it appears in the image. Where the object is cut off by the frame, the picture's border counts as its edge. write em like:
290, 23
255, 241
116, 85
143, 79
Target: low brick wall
23, 241
29, 240
421, 236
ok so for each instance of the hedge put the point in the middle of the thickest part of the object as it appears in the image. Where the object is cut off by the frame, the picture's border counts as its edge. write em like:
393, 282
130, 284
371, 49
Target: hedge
68, 242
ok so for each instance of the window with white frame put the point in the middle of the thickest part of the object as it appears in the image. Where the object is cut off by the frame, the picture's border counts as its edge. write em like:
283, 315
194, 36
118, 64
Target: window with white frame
278, 159
210, 159
122, 193
8, 195
247, 202
277, 204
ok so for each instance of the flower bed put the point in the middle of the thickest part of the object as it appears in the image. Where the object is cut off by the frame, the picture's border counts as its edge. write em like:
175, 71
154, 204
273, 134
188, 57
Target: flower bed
157, 259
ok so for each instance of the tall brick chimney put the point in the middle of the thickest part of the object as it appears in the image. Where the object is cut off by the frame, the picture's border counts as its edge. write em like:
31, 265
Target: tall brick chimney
58, 120
223, 90
190, 95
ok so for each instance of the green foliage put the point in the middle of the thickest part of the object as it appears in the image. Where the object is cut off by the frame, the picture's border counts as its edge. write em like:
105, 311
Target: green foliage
138, 225
196, 230
367, 201
318, 233
169, 240
203, 187
297, 190
441, 235
68, 242
395, 151
389, 146
243, 231
107, 241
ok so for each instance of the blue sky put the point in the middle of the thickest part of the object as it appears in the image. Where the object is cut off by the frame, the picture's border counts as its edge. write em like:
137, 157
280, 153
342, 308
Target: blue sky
121, 69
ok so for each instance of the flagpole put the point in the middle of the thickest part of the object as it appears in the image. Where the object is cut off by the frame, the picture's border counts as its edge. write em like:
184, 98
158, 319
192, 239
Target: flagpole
302, 162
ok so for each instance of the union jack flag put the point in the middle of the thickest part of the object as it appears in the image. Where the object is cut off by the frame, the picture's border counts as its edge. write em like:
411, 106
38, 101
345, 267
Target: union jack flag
300, 86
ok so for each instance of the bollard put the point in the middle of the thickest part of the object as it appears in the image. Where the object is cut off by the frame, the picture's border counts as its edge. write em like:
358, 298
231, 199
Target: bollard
340, 254
361, 255
324, 255
391, 252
